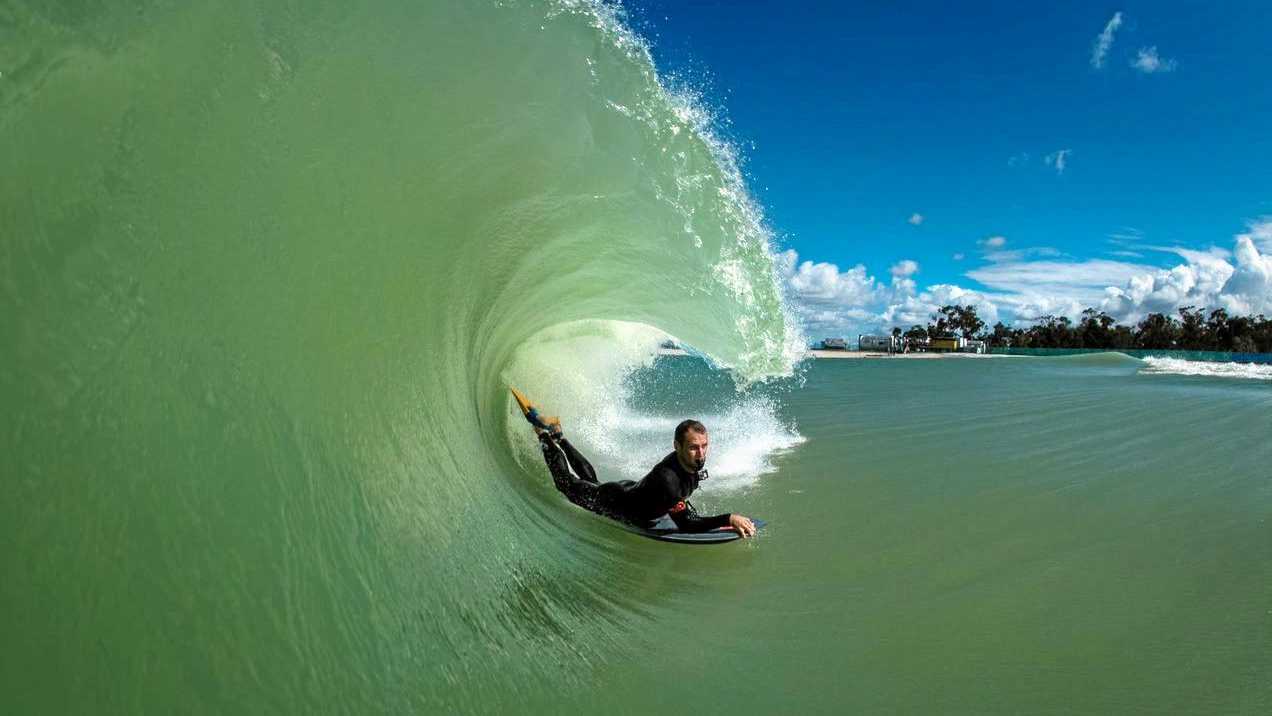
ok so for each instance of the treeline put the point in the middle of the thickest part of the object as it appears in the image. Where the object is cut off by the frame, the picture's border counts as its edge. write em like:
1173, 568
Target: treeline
1193, 330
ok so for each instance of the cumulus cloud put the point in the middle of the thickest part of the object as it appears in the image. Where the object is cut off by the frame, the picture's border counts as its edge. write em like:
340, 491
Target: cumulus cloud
1058, 160
905, 268
835, 302
1148, 62
1249, 288
916, 218
1165, 290
1239, 281
1260, 233
1022, 285
1104, 41
993, 242
916, 308
826, 298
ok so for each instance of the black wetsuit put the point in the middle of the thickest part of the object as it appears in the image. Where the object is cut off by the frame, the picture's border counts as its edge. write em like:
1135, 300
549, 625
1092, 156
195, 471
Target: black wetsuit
663, 491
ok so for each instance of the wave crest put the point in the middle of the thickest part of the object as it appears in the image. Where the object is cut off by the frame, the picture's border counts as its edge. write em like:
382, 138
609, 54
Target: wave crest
1178, 366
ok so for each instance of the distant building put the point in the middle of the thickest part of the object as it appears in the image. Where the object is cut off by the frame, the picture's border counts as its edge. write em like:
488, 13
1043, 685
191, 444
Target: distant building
834, 344
972, 346
945, 343
883, 344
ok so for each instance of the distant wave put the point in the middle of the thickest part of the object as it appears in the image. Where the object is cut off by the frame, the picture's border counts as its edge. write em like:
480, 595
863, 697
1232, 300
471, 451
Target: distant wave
1108, 358
1178, 366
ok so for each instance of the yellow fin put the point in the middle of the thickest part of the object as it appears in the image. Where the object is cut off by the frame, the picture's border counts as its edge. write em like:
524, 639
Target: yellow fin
522, 401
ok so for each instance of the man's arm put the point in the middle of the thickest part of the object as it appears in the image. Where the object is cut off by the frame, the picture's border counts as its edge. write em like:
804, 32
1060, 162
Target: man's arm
687, 519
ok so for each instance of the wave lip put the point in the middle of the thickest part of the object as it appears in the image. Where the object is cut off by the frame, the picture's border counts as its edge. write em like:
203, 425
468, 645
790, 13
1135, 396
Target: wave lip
1179, 366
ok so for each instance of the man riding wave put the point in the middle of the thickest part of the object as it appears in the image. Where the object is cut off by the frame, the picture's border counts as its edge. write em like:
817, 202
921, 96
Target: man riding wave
664, 491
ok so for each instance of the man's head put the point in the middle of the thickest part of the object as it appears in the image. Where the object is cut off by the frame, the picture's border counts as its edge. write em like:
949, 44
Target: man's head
691, 445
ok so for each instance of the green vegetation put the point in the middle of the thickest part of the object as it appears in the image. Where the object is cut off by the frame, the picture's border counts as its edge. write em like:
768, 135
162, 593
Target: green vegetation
1194, 330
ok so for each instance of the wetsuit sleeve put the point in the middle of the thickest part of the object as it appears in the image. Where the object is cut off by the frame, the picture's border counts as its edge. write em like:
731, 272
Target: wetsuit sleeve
581, 466
683, 514
688, 519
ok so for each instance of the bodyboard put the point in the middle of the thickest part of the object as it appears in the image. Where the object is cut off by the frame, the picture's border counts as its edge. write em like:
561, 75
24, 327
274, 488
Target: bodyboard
666, 531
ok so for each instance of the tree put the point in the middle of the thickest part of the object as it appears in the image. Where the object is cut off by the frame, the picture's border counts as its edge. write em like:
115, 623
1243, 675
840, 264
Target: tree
956, 318
1219, 332
1094, 330
1192, 329
1157, 331
940, 325
1002, 336
968, 321
1052, 332
917, 335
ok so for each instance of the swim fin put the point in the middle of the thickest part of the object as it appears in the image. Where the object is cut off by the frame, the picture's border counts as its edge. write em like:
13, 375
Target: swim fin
532, 413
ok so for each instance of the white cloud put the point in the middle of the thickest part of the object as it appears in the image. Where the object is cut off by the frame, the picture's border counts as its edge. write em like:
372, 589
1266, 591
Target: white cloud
1058, 160
1148, 62
1260, 233
958, 256
1126, 234
993, 242
1020, 286
916, 308
834, 302
827, 299
1208, 280
903, 269
916, 218
1105, 41
1056, 282
1249, 288
1165, 290
1016, 160
1020, 254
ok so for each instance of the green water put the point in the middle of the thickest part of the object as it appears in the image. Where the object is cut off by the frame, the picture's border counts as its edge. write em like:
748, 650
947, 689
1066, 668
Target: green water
266, 273
1009, 535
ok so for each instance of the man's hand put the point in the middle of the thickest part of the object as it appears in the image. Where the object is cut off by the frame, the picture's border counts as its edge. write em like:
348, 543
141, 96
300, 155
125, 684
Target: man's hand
742, 525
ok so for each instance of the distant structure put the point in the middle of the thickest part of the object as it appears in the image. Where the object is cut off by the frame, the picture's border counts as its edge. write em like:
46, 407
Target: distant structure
945, 344
952, 344
882, 344
834, 344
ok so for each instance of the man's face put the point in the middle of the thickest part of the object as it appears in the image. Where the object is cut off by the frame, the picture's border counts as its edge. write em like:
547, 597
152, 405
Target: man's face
693, 451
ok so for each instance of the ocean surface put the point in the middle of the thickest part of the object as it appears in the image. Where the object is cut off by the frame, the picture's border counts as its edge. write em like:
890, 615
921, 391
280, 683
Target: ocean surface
267, 270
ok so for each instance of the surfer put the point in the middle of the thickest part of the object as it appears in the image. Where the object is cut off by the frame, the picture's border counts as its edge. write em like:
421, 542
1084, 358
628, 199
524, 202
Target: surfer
664, 491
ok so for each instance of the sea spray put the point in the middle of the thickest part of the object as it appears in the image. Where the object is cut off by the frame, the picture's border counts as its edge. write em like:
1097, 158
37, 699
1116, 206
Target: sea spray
583, 373
1208, 369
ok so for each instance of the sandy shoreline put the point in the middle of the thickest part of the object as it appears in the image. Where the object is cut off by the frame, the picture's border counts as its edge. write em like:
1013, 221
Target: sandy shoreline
861, 354
890, 356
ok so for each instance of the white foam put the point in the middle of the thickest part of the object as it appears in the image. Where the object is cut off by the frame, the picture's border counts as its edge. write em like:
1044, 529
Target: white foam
578, 370
1179, 366
744, 438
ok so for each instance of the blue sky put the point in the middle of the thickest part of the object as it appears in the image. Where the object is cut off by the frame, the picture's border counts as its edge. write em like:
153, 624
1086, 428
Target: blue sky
1028, 158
